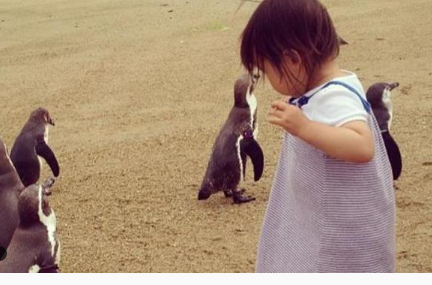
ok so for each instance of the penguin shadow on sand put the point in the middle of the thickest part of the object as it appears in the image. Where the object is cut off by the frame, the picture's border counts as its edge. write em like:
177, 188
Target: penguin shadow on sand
234, 144
379, 96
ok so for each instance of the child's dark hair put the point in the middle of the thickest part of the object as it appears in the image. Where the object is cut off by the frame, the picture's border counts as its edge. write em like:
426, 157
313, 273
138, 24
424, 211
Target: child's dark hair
278, 27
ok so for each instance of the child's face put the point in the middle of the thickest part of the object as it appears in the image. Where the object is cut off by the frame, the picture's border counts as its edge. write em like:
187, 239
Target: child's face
287, 84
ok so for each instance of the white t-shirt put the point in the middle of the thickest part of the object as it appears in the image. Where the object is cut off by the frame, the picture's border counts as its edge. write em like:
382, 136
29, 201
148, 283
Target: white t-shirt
336, 105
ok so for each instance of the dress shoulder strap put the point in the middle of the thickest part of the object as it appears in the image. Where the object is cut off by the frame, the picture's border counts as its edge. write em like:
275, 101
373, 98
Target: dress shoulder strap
305, 99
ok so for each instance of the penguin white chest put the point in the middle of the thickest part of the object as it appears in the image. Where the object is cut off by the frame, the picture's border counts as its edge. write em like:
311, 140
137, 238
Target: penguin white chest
8, 158
40, 162
49, 222
252, 102
239, 156
388, 104
58, 255
46, 134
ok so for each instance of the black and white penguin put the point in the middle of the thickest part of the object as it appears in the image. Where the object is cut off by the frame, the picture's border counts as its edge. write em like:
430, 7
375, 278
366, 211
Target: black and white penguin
31, 143
10, 189
35, 247
236, 141
379, 96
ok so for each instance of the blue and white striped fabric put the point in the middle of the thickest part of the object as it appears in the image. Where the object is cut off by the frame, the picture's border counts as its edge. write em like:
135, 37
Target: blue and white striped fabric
328, 215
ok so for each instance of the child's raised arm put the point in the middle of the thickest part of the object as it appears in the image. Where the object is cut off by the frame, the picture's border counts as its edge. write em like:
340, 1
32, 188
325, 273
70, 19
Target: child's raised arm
351, 142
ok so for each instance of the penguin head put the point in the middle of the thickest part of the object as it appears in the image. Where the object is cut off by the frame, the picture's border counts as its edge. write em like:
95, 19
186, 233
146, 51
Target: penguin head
379, 94
33, 205
42, 116
243, 89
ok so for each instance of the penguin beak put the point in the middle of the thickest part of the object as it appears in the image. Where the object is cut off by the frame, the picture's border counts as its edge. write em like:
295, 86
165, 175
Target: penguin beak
47, 186
49, 182
393, 85
254, 79
51, 122
47, 191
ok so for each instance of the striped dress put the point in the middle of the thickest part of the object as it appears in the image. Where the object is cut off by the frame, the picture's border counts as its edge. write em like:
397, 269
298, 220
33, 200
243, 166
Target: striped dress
328, 215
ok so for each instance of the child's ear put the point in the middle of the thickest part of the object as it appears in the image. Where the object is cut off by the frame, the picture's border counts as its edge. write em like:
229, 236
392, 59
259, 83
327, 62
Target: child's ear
292, 56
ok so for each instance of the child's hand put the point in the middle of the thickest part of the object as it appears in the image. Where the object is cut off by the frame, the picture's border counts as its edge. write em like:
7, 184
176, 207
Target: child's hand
289, 117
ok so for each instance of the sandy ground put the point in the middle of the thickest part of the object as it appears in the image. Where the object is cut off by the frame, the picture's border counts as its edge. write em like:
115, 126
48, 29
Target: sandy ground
139, 90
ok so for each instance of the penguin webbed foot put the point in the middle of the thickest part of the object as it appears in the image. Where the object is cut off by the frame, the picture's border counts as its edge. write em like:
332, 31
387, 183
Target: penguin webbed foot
229, 193
238, 197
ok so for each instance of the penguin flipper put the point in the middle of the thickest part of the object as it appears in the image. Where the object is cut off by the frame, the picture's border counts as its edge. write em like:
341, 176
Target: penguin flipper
394, 154
43, 150
243, 161
254, 151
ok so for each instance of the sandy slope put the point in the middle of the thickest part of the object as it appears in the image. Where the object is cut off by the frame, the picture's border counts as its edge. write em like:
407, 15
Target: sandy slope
139, 90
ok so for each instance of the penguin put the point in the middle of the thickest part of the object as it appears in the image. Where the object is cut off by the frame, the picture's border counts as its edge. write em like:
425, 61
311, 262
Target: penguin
10, 189
236, 141
379, 96
35, 247
31, 143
